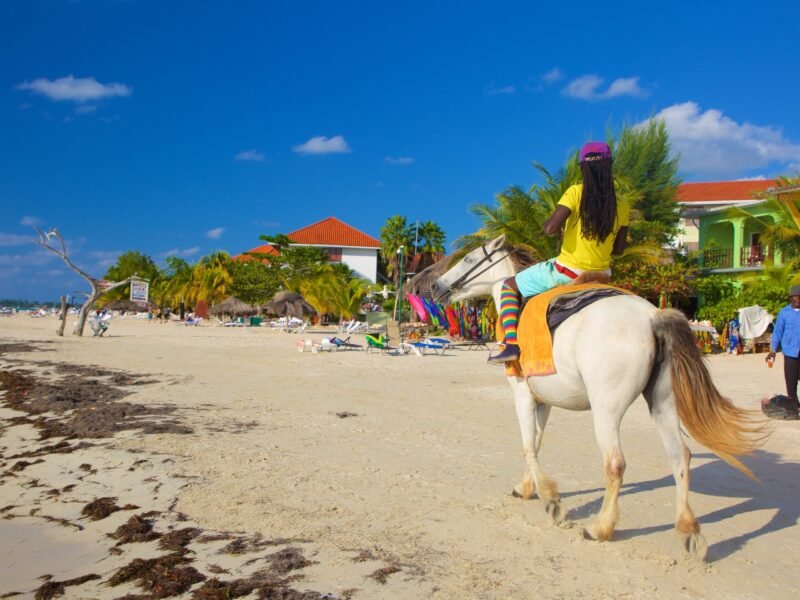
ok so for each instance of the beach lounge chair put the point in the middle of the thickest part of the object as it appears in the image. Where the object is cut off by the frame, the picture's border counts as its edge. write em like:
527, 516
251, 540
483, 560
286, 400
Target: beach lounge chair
296, 325
354, 326
381, 344
473, 344
345, 344
428, 345
196, 321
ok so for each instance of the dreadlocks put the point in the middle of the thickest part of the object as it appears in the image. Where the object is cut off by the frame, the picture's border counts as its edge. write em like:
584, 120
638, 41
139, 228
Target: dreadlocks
598, 209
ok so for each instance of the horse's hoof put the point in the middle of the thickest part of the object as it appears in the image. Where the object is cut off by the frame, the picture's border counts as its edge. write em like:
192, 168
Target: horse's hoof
597, 535
695, 546
555, 510
525, 490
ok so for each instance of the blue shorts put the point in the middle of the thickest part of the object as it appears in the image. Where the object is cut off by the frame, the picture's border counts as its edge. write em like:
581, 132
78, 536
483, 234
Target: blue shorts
539, 278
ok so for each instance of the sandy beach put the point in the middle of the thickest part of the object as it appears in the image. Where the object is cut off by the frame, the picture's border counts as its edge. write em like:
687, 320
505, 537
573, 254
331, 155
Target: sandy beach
212, 462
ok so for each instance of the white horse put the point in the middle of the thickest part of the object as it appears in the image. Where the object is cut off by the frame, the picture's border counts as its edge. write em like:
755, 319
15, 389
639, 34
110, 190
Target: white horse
605, 356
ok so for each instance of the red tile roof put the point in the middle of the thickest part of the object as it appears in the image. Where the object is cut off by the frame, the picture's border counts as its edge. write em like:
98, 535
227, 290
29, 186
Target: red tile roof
332, 232
263, 249
723, 191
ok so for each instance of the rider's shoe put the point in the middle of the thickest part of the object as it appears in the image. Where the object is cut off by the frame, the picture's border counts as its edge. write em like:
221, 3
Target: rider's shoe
510, 353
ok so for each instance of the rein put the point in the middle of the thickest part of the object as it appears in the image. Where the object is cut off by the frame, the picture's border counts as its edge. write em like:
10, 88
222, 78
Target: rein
471, 274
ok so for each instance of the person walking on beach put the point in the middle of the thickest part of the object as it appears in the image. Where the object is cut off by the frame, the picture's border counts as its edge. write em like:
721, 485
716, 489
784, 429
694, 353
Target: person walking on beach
786, 337
595, 228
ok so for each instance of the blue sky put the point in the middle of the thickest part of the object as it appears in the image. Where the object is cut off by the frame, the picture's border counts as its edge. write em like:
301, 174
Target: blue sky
176, 127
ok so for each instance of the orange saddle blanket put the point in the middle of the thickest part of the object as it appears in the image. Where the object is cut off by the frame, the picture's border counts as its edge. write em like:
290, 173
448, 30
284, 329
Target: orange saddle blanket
534, 334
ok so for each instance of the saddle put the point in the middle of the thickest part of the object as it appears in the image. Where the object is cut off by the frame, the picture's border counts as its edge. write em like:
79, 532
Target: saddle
542, 315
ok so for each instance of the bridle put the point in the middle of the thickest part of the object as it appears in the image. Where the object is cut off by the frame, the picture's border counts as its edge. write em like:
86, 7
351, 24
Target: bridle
472, 273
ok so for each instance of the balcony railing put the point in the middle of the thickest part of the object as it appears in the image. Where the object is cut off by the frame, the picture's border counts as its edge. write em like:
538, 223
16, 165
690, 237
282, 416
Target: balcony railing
755, 256
718, 258
749, 256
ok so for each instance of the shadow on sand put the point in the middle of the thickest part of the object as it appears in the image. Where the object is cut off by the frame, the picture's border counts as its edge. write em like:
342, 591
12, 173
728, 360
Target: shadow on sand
715, 478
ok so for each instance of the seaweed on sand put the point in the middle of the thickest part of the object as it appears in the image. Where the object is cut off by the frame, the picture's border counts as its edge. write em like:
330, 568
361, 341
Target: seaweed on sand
85, 408
51, 589
100, 508
162, 577
137, 529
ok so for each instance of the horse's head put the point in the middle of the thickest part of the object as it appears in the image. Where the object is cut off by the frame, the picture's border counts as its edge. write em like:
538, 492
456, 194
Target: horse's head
475, 274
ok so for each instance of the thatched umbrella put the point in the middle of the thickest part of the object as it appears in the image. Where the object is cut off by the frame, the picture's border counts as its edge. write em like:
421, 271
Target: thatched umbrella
232, 306
422, 282
127, 305
290, 304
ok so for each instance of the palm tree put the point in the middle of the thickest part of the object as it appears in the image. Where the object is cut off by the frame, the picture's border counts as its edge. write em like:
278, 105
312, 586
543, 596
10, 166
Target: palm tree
395, 234
433, 238
784, 232
333, 291
211, 278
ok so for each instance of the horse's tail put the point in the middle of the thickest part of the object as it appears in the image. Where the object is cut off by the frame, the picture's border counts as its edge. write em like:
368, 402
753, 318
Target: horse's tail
712, 419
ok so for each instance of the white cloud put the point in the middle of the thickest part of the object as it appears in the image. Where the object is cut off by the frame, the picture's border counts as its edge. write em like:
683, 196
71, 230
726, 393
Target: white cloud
628, 86
27, 220
13, 239
588, 87
216, 233
400, 160
181, 252
492, 90
76, 90
552, 76
250, 155
320, 144
713, 144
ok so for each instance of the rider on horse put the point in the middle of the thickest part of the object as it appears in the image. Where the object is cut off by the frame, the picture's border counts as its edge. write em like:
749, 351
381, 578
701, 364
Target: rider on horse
595, 226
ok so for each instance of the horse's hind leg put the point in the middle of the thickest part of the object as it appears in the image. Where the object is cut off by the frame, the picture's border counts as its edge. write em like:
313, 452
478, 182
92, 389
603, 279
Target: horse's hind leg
532, 418
662, 407
606, 428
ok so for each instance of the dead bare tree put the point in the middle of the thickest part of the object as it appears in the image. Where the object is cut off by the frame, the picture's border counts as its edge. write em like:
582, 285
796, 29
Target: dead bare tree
97, 289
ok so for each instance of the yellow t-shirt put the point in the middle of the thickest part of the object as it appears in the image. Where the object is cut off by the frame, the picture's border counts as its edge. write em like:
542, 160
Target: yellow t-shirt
576, 251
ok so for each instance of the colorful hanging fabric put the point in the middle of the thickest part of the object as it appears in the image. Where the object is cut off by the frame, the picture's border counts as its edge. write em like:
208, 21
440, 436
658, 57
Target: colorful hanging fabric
434, 311
452, 321
418, 305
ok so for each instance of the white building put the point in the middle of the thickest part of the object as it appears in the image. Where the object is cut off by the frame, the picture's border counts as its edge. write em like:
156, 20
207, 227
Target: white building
341, 242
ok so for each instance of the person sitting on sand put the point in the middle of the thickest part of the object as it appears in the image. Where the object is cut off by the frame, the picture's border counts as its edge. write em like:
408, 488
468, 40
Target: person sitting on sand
98, 324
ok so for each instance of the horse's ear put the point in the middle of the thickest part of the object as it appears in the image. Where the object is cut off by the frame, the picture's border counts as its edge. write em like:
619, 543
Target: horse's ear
496, 243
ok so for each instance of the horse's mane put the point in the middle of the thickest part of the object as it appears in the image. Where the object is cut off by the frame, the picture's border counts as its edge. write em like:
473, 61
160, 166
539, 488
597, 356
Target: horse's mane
520, 257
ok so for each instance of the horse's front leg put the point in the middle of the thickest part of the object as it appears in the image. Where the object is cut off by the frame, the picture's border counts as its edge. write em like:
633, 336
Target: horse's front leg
532, 417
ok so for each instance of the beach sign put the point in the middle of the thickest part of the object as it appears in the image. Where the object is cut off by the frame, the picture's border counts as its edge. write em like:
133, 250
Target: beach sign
140, 289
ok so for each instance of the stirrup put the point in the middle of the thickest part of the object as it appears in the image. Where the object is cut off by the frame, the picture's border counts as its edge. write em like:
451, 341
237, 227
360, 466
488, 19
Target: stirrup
510, 353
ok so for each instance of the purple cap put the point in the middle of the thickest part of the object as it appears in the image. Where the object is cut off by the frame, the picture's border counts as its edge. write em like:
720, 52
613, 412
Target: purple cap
600, 148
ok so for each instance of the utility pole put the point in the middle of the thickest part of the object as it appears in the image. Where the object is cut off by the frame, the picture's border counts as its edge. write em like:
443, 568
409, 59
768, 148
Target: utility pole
398, 297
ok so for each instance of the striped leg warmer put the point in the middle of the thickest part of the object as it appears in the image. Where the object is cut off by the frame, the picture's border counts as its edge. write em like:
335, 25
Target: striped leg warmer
509, 313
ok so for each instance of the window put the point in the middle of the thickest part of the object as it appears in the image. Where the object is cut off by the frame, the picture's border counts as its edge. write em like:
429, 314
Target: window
334, 254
